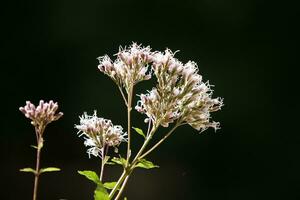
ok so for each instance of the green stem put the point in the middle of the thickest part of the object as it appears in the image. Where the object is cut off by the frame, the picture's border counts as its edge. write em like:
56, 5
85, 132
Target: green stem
40, 142
122, 187
121, 179
127, 172
129, 102
159, 142
102, 164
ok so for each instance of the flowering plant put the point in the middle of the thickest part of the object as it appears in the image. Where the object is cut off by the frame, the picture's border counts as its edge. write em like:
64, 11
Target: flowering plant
40, 116
180, 97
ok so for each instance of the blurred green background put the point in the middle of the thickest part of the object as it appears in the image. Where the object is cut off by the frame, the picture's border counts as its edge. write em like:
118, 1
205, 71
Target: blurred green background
245, 48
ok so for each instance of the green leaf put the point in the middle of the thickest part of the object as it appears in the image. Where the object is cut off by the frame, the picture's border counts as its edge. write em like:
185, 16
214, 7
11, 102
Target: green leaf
110, 185
110, 163
91, 175
139, 131
33, 146
28, 169
49, 169
143, 163
101, 193
120, 161
125, 198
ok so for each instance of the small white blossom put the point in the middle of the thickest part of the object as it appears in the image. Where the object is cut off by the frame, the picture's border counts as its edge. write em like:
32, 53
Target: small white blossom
99, 133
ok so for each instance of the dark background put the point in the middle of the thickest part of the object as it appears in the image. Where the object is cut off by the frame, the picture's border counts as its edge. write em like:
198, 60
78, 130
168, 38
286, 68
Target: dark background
245, 48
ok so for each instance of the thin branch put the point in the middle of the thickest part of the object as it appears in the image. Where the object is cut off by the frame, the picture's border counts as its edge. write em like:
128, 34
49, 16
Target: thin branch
159, 142
102, 163
122, 187
123, 96
149, 126
130, 95
121, 179
40, 141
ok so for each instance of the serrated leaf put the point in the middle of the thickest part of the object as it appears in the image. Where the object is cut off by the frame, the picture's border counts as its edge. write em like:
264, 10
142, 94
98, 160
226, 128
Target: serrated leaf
120, 161
110, 185
91, 175
33, 146
101, 193
49, 169
139, 131
28, 169
143, 163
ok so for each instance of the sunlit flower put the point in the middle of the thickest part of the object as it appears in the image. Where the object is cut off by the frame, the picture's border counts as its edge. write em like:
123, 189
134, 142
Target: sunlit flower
99, 133
180, 95
130, 67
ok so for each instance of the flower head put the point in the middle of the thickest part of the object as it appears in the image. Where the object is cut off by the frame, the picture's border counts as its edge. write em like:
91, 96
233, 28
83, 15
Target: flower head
130, 67
179, 95
99, 133
41, 115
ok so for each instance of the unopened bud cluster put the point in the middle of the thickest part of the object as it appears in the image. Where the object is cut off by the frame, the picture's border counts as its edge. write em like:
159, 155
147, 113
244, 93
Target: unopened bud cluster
41, 115
99, 133
130, 67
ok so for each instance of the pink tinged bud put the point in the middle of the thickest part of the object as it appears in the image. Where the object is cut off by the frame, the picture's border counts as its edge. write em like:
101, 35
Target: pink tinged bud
176, 91
147, 77
22, 110
143, 71
101, 68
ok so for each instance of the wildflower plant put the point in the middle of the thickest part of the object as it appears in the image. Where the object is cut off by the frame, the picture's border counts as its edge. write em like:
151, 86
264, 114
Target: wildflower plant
40, 116
179, 97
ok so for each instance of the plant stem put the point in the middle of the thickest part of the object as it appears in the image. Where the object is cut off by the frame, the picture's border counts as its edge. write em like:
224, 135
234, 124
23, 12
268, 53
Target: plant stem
137, 157
40, 142
36, 177
122, 187
129, 102
121, 179
159, 142
125, 175
102, 163
123, 96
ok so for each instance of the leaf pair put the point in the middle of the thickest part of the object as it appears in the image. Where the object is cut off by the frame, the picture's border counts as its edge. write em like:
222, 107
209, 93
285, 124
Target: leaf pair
48, 169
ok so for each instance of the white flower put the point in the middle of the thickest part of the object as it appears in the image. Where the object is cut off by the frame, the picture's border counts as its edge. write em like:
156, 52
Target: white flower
99, 133
179, 95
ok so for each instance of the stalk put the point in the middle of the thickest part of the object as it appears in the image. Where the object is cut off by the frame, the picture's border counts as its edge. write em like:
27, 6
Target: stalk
122, 187
121, 179
159, 142
102, 163
129, 104
40, 142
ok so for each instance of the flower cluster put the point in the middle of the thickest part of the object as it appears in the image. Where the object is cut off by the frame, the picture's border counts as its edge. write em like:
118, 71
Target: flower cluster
179, 94
99, 133
41, 115
130, 67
